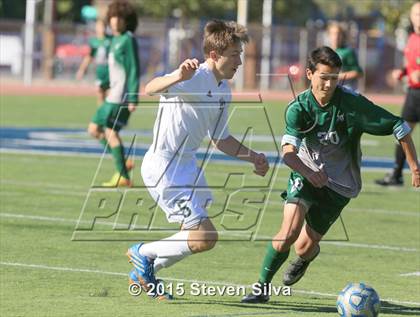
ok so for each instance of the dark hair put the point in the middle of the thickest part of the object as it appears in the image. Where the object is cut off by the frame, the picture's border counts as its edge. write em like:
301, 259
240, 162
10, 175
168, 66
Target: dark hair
218, 35
323, 55
123, 10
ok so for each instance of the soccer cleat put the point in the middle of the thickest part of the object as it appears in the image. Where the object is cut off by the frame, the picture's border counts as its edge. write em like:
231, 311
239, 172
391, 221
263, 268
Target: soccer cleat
296, 270
118, 181
143, 266
390, 180
259, 296
134, 279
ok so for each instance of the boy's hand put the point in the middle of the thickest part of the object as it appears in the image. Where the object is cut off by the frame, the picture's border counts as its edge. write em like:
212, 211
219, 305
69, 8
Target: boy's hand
261, 164
132, 107
396, 74
415, 76
187, 69
318, 179
415, 178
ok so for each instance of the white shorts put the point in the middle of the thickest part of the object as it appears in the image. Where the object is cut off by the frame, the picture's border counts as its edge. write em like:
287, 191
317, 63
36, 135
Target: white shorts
178, 186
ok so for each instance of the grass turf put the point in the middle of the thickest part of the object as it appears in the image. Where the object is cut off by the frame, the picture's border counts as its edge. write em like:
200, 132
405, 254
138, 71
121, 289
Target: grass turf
44, 273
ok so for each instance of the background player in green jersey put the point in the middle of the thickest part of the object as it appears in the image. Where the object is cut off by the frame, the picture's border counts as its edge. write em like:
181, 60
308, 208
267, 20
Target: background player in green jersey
99, 49
321, 145
123, 64
350, 69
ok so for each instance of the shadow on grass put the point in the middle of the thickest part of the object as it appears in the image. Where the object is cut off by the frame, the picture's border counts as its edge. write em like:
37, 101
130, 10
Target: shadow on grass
284, 307
390, 308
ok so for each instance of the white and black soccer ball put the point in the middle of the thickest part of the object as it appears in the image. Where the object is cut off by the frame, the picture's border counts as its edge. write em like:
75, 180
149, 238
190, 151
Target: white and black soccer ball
358, 300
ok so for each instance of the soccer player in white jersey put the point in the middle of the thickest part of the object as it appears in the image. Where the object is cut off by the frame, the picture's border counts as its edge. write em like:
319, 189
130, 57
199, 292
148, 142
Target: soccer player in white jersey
194, 103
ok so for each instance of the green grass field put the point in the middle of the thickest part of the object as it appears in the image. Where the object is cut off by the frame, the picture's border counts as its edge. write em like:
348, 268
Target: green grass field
43, 272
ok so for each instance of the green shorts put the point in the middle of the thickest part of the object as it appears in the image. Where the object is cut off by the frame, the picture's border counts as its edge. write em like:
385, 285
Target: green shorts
102, 77
111, 115
324, 205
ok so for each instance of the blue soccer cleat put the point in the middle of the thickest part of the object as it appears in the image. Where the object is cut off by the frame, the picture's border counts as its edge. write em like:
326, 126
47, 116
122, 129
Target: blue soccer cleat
143, 267
158, 292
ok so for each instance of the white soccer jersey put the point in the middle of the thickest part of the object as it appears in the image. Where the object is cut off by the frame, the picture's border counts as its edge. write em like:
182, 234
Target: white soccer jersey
188, 111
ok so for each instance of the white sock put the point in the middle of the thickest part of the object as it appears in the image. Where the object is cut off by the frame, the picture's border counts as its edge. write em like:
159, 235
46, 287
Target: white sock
167, 251
161, 263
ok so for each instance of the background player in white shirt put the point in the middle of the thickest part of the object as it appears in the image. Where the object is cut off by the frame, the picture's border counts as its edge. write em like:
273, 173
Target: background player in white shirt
193, 103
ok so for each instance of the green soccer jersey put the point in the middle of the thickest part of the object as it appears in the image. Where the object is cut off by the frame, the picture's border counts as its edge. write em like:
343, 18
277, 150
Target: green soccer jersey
349, 59
329, 137
99, 49
124, 69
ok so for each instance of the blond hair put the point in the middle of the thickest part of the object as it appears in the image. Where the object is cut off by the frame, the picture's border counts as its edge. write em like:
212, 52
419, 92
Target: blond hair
218, 35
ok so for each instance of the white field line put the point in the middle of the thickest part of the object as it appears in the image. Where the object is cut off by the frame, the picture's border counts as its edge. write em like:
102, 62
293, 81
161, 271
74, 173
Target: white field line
274, 202
411, 274
223, 162
227, 233
83, 191
69, 269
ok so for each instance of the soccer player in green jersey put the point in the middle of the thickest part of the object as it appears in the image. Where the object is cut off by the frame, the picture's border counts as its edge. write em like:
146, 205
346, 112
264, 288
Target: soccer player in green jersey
123, 64
99, 48
321, 145
350, 69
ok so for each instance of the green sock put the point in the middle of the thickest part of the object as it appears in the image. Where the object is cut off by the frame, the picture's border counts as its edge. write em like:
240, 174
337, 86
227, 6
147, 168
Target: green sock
118, 154
273, 260
105, 144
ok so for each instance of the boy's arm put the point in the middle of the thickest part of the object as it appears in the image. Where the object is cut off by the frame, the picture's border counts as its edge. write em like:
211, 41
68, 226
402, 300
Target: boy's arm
318, 179
411, 156
184, 72
352, 74
233, 147
83, 66
132, 70
355, 71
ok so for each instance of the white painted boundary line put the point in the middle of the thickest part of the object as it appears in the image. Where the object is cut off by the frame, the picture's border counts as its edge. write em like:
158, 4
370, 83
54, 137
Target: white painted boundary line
83, 191
69, 269
411, 274
334, 243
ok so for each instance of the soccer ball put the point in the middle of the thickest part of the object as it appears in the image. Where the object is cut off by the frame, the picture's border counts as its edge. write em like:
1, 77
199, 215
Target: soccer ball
358, 300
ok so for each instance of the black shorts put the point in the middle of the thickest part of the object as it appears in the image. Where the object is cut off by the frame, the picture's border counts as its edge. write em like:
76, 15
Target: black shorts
411, 110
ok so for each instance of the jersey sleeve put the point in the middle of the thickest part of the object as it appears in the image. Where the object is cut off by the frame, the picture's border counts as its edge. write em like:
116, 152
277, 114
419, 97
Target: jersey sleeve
353, 63
375, 120
132, 69
293, 118
183, 88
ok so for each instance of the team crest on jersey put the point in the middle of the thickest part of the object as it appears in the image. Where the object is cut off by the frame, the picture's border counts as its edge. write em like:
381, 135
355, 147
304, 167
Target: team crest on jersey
340, 117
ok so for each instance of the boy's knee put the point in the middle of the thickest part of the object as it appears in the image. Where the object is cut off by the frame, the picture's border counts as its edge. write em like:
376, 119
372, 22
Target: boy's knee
283, 243
204, 242
93, 131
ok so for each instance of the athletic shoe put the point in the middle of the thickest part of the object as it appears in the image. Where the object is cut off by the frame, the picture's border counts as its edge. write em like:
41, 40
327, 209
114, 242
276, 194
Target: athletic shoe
118, 181
143, 266
296, 270
134, 279
390, 180
257, 297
